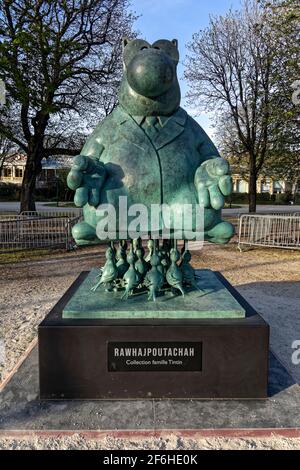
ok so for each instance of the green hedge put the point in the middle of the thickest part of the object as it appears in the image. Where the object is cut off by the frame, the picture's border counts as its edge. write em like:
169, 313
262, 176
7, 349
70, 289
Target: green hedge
263, 198
286, 198
57, 190
9, 192
242, 198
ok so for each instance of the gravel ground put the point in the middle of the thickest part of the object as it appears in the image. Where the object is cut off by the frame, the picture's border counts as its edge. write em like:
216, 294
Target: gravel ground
268, 279
168, 442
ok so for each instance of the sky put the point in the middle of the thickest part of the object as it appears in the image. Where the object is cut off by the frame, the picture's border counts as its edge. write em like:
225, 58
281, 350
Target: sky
179, 19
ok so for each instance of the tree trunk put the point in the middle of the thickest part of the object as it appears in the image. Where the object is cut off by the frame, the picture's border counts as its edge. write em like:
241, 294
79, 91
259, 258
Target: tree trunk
252, 191
295, 189
31, 172
1, 165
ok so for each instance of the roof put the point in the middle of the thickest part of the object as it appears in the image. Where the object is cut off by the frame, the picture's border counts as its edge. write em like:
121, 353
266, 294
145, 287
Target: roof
57, 163
19, 159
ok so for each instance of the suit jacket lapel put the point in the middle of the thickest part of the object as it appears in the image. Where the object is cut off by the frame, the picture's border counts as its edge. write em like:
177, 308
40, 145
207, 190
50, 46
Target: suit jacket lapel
130, 130
171, 128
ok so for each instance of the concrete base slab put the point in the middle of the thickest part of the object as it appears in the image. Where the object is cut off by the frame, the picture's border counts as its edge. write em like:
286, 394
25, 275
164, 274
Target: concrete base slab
20, 408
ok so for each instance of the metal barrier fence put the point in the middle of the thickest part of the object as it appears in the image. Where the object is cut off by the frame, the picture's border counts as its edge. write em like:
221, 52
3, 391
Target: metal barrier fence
71, 213
53, 213
273, 231
235, 219
26, 232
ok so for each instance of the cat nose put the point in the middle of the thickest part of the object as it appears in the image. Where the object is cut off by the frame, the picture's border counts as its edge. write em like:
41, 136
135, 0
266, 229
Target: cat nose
150, 73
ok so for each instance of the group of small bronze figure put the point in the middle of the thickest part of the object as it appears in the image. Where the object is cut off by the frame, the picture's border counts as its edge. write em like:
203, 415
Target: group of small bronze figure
158, 271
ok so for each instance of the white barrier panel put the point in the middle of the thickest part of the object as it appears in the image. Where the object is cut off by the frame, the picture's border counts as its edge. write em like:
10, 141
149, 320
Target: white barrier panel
24, 232
273, 231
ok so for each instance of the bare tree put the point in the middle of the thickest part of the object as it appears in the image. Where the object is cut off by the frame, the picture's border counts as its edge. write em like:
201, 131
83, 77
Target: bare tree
229, 70
284, 154
58, 59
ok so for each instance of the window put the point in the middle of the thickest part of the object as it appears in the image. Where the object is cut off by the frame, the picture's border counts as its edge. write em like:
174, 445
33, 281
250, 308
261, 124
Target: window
277, 187
19, 172
238, 186
241, 186
265, 186
7, 172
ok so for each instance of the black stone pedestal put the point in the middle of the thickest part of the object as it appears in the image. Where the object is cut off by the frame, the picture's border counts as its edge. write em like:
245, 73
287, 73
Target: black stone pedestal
144, 358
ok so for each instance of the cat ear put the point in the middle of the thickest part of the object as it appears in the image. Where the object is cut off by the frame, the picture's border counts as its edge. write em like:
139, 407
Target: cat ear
175, 42
125, 41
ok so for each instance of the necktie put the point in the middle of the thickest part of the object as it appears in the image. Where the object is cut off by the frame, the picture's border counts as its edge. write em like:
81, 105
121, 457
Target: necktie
149, 126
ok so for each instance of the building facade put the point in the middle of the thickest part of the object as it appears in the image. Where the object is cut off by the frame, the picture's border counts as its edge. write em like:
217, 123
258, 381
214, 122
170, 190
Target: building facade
14, 166
264, 184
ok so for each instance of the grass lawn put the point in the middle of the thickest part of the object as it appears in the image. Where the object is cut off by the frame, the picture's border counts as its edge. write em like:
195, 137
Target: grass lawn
21, 255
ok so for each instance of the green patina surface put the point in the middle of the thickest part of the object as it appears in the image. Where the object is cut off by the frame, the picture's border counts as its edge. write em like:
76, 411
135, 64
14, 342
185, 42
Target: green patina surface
150, 151
212, 301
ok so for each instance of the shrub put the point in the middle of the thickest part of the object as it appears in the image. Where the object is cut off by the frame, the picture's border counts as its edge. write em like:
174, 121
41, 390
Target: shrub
58, 189
297, 199
284, 198
9, 191
237, 198
242, 198
262, 198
